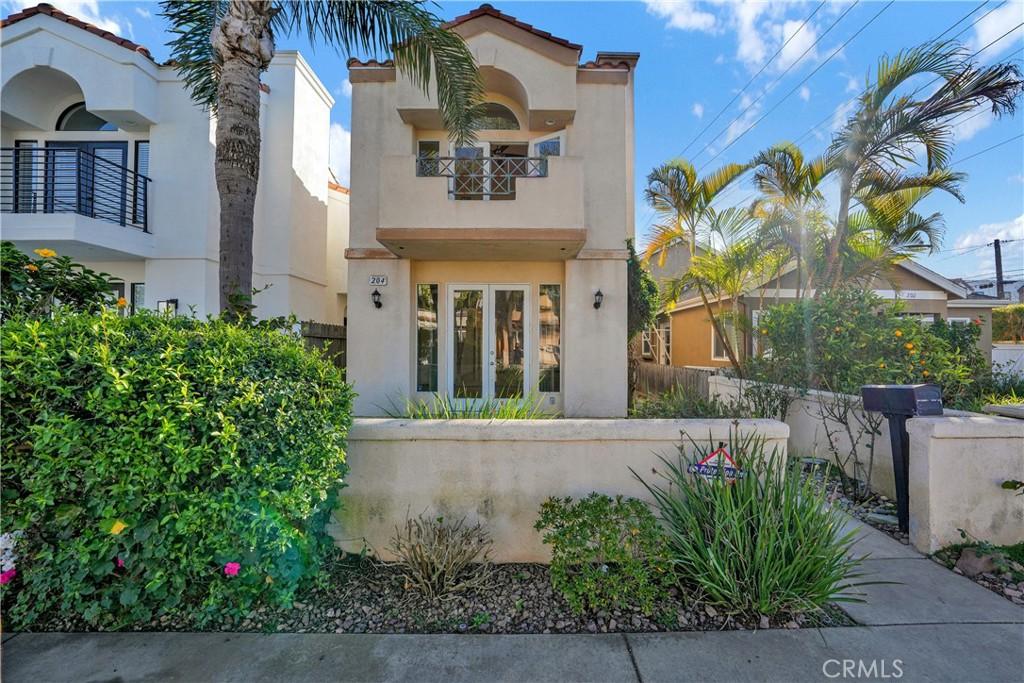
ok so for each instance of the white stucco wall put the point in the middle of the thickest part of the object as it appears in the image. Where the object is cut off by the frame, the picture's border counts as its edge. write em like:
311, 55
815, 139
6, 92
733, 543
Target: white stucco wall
499, 473
957, 467
47, 65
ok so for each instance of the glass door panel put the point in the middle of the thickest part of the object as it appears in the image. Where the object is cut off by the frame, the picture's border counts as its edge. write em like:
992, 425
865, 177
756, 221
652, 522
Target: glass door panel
508, 348
469, 180
467, 343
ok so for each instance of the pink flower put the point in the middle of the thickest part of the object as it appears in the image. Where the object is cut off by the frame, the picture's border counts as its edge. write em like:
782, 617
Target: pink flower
120, 562
8, 575
231, 568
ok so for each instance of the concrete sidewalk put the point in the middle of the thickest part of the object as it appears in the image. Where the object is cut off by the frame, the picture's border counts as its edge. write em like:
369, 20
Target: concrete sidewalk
936, 626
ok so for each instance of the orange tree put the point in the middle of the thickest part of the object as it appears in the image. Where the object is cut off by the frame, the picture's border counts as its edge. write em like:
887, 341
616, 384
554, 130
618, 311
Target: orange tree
851, 337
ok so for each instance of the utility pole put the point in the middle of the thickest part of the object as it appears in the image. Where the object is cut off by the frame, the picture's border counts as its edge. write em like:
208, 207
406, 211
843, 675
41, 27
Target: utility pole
999, 269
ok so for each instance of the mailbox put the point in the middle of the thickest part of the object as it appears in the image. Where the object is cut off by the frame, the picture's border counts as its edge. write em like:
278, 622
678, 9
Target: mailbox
898, 402
903, 399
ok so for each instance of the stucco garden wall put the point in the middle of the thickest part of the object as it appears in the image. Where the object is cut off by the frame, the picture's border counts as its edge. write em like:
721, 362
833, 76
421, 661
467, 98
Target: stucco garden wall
499, 473
957, 466
808, 436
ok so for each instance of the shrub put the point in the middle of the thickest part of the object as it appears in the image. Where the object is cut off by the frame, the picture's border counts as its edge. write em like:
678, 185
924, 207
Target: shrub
849, 338
440, 558
765, 543
681, 401
605, 552
1008, 323
32, 286
444, 407
160, 465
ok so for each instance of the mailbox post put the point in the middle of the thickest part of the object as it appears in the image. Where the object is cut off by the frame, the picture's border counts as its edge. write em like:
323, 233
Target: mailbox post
897, 402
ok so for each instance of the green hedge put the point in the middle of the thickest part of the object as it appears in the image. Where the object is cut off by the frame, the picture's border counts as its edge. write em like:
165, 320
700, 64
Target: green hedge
146, 459
1008, 323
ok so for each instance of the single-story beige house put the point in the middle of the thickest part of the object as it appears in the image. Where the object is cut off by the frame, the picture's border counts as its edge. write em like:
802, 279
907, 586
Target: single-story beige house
685, 337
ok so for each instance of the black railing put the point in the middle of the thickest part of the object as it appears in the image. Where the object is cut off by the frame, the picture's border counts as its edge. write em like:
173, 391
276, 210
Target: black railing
70, 180
480, 177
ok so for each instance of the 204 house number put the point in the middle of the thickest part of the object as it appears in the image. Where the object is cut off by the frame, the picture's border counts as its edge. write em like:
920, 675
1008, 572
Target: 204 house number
378, 280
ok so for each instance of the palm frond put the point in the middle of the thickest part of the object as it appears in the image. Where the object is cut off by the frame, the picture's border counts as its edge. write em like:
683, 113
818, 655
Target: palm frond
191, 23
423, 50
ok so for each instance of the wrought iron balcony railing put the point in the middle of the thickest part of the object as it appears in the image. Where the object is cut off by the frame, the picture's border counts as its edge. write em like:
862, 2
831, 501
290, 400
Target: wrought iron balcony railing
71, 180
482, 177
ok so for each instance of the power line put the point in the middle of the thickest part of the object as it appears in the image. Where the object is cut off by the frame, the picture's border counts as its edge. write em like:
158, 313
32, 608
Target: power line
806, 78
989, 149
752, 78
778, 78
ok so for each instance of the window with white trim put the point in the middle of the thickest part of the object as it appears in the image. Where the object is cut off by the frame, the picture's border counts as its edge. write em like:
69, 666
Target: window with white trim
665, 342
717, 348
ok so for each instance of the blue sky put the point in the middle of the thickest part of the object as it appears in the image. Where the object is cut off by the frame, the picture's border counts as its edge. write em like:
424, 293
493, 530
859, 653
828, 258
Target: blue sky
697, 56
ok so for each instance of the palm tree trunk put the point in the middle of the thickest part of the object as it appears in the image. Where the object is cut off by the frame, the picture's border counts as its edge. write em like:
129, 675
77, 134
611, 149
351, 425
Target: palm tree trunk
833, 271
243, 46
719, 332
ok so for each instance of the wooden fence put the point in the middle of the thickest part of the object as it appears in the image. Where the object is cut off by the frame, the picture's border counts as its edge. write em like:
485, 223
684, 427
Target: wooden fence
657, 379
331, 338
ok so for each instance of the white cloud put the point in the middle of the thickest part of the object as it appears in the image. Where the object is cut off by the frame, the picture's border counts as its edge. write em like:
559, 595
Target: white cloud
345, 89
761, 27
798, 43
1013, 252
1016, 178
698, 110
86, 10
143, 12
971, 125
842, 113
994, 24
740, 125
682, 15
805, 93
339, 150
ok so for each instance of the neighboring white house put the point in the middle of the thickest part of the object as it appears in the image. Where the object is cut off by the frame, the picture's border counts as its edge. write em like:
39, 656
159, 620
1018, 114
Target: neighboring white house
106, 159
498, 269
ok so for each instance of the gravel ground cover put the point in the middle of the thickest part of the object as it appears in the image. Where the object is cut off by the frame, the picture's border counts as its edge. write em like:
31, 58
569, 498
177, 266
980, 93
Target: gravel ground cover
363, 596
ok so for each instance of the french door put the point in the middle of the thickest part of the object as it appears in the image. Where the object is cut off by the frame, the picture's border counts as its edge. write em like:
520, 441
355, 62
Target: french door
489, 346
92, 184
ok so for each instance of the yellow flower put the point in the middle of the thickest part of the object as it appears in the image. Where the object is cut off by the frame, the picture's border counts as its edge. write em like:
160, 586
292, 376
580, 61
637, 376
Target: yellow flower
925, 373
898, 333
881, 365
45, 253
908, 346
121, 302
922, 362
31, 267
117, 527
837, 329
764, 331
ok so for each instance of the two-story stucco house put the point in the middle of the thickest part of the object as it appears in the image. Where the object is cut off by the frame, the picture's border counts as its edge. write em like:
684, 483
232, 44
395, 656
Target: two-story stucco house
106, 159
497, 269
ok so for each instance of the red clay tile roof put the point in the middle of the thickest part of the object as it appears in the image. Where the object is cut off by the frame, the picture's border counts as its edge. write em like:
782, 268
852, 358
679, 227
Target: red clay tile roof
605, 65
487, 10
370, 62
51, 11
331, 185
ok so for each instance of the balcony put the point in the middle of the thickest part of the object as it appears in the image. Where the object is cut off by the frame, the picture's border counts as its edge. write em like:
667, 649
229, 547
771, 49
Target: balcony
74, 201
483, 208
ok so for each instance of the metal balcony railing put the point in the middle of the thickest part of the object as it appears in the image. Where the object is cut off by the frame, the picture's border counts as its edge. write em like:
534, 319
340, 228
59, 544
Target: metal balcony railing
70, 180
482, 177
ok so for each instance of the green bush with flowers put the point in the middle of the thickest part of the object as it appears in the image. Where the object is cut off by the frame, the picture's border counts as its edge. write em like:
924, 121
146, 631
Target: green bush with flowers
32, 286
156, 465
848, 338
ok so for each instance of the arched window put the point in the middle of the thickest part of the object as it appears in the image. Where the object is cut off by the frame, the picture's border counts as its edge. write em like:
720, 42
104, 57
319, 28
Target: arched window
77, 117
498, 117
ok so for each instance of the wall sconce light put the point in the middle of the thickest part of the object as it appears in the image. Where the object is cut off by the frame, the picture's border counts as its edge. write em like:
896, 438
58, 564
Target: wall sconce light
167, 306
376, 298
598, 299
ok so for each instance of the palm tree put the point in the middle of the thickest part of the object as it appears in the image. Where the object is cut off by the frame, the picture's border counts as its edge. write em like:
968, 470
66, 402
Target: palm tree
221, 48
791, 205
879, 143
724, 273
683, 204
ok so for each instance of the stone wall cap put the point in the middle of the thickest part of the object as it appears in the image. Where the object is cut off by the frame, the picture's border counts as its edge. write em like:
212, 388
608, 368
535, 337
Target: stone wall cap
967, 427
569, 429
